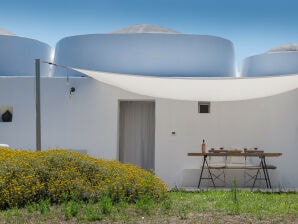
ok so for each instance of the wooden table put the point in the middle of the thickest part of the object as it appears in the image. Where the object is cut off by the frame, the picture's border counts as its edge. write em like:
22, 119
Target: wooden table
231, 153
262, 155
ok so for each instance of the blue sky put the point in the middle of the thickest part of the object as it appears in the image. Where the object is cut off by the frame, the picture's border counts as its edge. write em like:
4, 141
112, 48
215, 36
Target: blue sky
254, 26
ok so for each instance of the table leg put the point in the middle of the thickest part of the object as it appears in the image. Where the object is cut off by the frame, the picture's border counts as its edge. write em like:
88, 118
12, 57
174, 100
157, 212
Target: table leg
267, 173
202, 170
256, 177
264, 171
204, 160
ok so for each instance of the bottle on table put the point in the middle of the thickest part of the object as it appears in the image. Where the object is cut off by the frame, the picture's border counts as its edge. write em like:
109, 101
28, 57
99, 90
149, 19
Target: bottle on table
203, 147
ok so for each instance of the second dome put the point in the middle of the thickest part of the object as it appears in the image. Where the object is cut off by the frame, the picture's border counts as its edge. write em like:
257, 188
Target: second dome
148, 50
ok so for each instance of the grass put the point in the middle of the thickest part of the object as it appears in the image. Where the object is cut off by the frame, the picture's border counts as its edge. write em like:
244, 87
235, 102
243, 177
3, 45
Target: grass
212, 206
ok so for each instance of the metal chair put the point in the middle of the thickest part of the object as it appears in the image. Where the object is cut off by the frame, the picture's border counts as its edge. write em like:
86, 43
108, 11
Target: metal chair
257, 169
215, 166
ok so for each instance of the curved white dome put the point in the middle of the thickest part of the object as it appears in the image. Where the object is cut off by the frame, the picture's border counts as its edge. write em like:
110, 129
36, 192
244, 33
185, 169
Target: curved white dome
18, 56
145, 28
271, 63
157, 54
6, 32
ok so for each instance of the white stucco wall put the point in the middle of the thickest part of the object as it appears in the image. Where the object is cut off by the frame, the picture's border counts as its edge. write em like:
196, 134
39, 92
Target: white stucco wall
270, 63
88, 120
271, 124
148, 54
17, 56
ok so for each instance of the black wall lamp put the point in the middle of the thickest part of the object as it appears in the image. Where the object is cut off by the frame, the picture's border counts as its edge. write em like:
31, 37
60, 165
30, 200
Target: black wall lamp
72, 90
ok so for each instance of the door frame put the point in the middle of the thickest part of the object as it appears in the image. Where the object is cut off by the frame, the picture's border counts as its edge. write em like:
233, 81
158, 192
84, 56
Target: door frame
118, 123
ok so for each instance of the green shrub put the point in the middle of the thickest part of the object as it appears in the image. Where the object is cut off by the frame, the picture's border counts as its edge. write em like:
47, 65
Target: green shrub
145, 204
43, 206
106, 205
71, 208
91, 213
61, 175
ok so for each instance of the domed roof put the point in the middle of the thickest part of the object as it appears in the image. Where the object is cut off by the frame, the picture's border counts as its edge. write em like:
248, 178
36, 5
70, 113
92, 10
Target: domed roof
6, 32
284, 47
145, 28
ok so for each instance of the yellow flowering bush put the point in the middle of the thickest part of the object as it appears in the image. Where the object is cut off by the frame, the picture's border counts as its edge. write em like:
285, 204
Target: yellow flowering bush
61, 174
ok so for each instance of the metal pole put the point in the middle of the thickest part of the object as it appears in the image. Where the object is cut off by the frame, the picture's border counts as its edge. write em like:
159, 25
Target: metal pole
37, 104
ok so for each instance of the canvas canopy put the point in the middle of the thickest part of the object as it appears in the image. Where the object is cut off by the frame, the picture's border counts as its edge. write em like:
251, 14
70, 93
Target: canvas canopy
198, 88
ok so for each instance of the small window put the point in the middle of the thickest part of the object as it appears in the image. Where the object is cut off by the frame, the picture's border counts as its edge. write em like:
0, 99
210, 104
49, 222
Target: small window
6, 113
204, 107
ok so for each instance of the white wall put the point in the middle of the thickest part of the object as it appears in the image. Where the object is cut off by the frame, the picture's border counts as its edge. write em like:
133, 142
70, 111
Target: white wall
18, 56
271, 63
270, 124
18, 92
147, 54
88, 120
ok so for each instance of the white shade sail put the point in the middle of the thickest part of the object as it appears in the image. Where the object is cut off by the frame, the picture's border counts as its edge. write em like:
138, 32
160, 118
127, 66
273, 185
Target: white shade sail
198, 88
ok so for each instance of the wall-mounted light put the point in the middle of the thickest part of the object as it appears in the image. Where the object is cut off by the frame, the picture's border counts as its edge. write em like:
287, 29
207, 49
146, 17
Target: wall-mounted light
72, 90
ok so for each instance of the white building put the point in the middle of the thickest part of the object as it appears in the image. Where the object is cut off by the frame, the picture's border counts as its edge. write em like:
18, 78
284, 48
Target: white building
106, 120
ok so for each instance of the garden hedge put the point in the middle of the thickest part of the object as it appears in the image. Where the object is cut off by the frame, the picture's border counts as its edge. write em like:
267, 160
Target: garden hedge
60, 174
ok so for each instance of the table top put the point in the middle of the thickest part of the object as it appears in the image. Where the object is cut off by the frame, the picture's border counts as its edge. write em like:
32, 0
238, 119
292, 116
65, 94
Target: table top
233, 153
